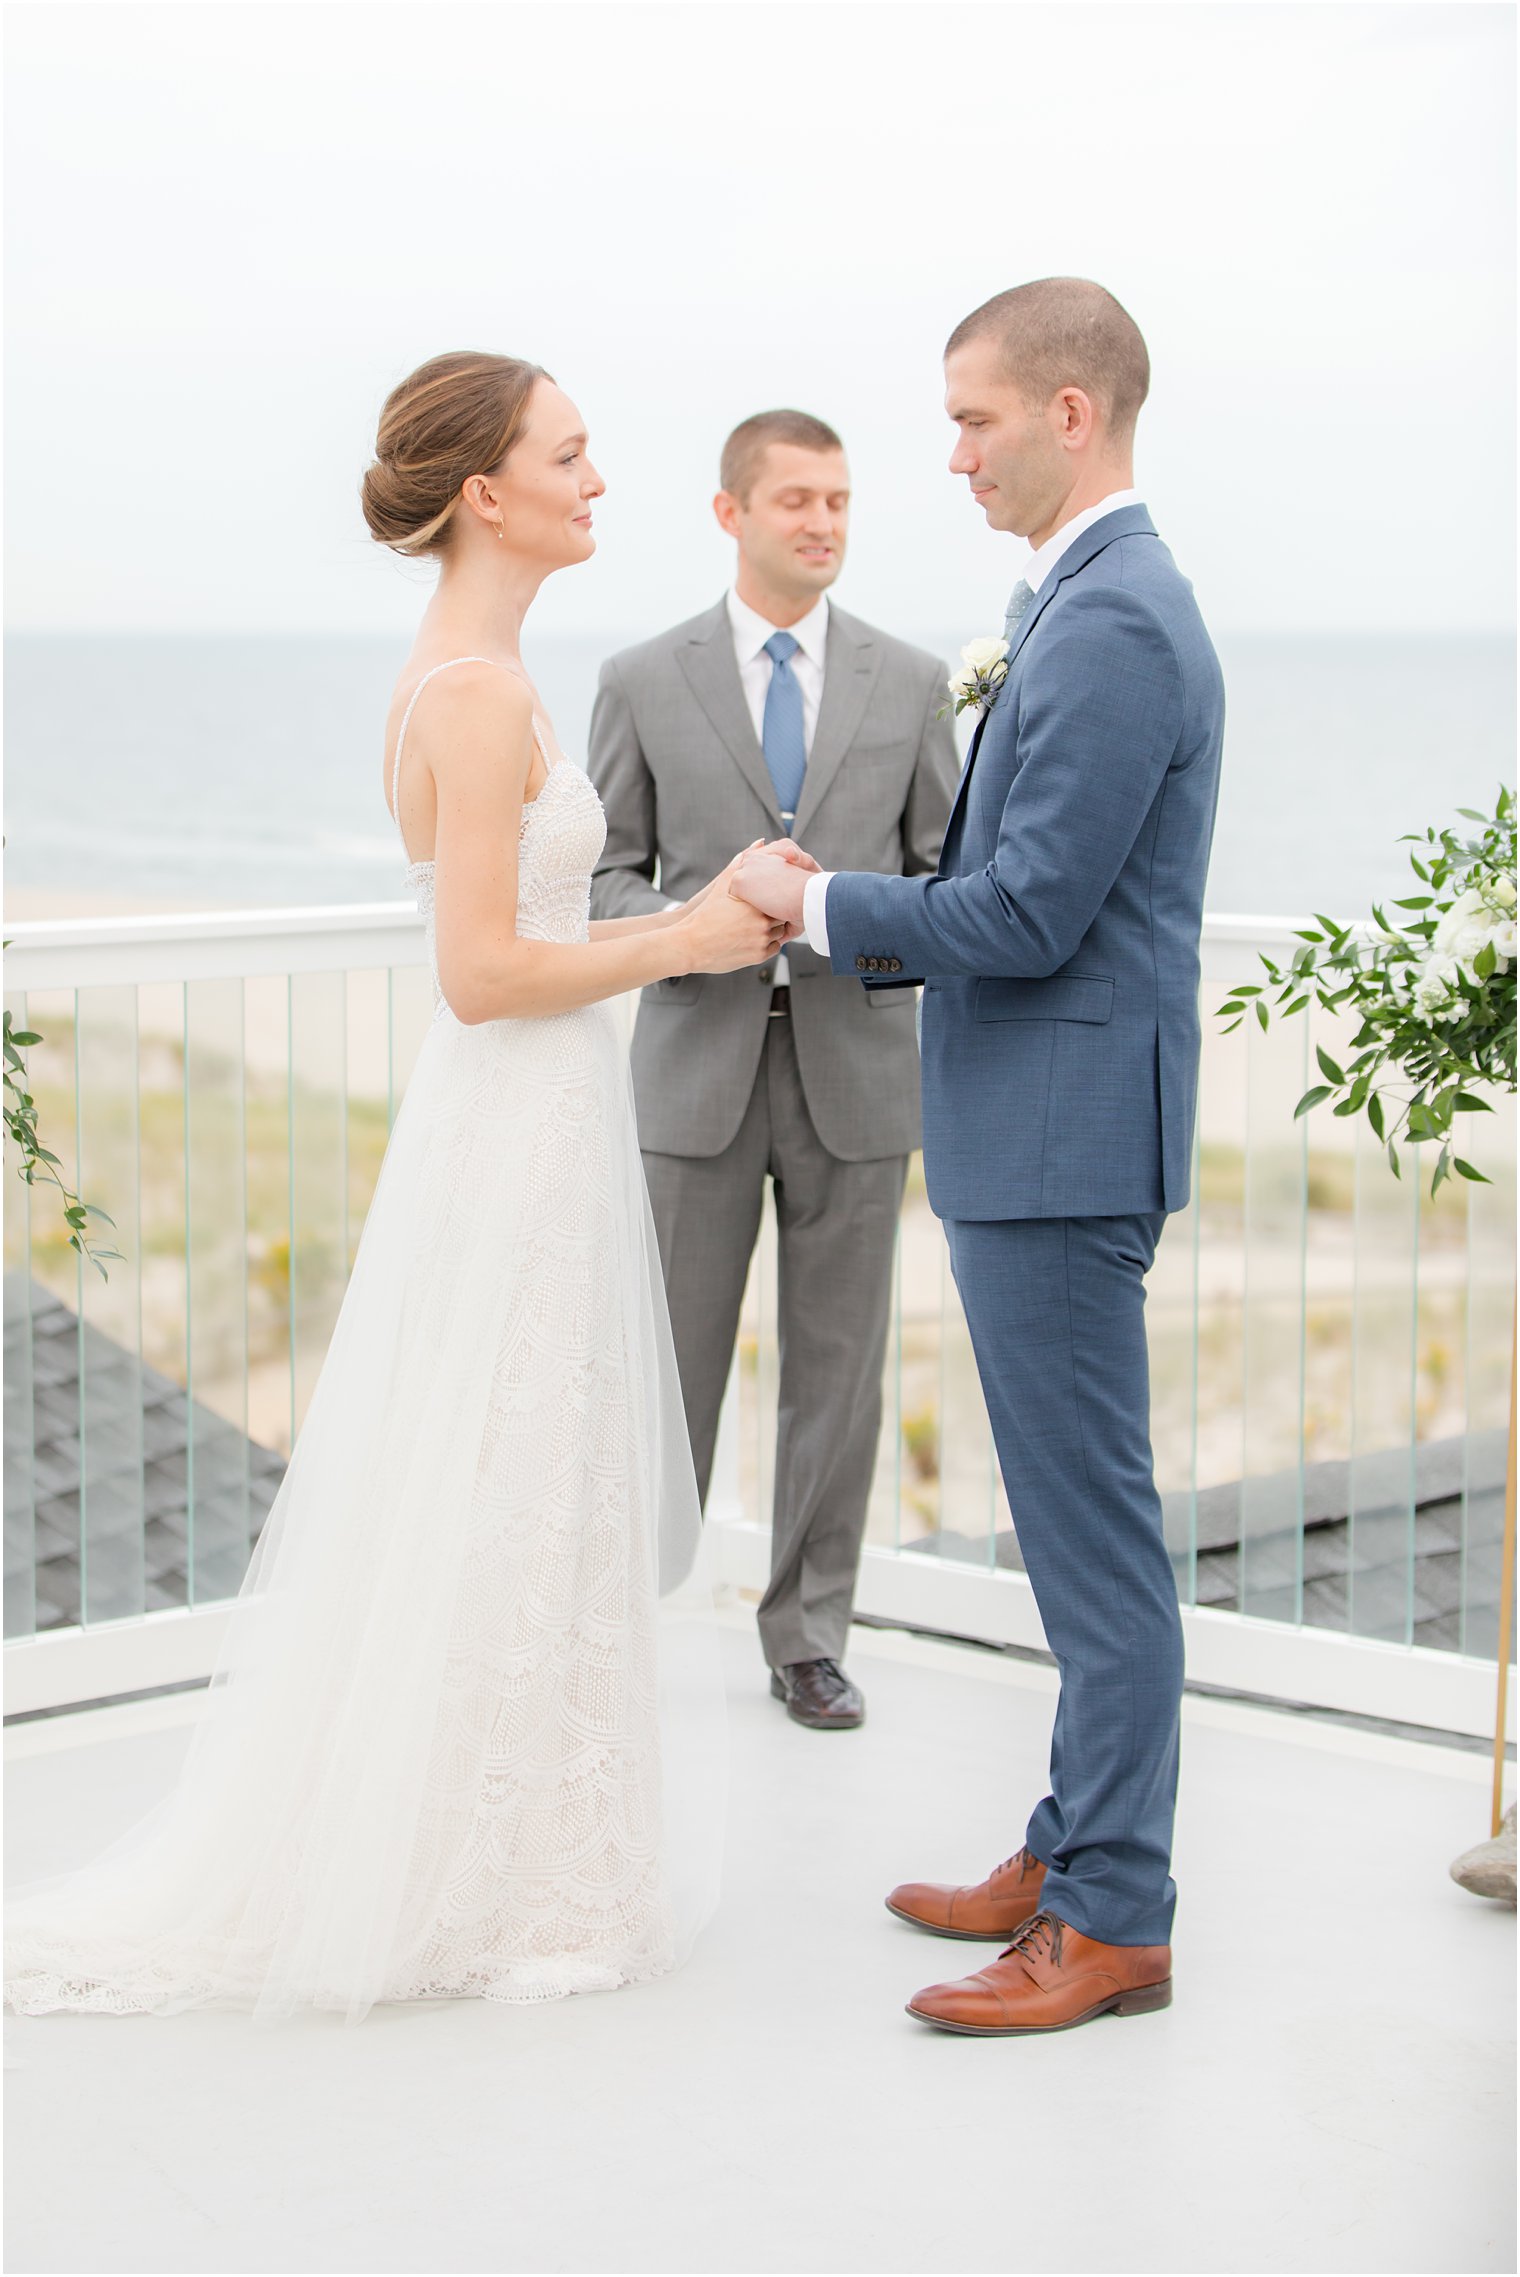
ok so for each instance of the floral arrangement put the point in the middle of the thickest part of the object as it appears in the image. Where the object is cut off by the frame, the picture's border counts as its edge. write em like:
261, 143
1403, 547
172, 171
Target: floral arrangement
984, 668
1435, 994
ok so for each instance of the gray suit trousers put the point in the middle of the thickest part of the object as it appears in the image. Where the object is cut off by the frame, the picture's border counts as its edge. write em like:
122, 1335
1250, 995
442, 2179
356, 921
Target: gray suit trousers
836, 1227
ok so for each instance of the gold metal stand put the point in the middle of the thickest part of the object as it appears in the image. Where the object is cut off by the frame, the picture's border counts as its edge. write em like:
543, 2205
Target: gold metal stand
1506, 1602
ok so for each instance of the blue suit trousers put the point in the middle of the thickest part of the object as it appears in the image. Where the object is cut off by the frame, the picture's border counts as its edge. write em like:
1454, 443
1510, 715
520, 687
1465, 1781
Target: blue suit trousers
1056, 1309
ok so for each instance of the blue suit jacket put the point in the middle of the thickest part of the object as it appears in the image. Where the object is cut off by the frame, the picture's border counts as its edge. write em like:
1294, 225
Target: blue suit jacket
1058, 944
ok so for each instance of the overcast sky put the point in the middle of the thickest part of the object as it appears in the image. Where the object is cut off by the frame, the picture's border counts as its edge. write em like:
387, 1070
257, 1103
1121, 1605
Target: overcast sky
233, 224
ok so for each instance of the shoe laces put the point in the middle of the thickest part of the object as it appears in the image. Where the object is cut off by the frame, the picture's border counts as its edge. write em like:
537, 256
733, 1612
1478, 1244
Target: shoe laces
1024, 1859
1039, 1939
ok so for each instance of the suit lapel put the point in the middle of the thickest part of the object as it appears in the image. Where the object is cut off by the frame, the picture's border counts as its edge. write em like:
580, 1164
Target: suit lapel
1124, 522
712, 673
957, 810
851, 663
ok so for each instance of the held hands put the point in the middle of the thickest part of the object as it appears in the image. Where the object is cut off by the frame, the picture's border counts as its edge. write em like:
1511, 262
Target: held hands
724, 933
774, 878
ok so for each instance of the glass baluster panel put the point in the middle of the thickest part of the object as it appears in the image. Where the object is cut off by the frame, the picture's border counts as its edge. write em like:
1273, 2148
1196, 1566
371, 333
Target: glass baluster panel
411, 1013
1440, 1414
1271, 1494
20, 1463
1171, 1329
1220, 1427
54, 1309
367, 1023
216, 1246
167, 1524
318, 1171
1382, 1423
1488, 1142
110, 1307
1329, 1291
266, 1111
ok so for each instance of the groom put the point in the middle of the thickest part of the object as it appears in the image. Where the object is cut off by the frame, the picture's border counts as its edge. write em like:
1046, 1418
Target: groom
1058, 948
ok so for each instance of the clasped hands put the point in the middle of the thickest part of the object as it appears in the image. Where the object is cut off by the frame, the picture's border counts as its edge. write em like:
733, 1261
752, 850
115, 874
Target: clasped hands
773, 879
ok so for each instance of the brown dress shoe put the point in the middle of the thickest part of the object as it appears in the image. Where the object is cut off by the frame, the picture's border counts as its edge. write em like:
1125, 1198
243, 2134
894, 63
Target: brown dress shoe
819, 1694
1050, 1978
993, 1909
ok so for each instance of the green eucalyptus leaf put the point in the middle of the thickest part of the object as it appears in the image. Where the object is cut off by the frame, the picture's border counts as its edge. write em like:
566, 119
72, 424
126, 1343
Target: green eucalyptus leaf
1466, 1170
1328, 1066
1312, 1099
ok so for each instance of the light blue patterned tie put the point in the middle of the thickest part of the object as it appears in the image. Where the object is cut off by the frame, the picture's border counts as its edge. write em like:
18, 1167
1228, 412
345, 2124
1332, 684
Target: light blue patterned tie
1018, 609
782, 736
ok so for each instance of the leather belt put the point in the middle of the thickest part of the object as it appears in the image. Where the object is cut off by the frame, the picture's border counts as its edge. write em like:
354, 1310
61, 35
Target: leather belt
781, 1004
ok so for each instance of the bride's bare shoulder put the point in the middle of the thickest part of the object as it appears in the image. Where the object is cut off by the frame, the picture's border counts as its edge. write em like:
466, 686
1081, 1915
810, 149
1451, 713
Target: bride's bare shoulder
471, 704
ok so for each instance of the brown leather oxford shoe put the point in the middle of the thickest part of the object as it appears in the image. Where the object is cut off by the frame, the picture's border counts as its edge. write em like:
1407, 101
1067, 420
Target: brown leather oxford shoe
993, 1909
819, 1694
1050, 1978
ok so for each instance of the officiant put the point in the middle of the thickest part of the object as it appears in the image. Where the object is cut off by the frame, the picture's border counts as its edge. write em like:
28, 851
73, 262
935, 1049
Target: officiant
774, 713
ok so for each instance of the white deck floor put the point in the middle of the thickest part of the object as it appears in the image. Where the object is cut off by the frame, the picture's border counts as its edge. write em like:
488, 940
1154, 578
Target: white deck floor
1331, 2090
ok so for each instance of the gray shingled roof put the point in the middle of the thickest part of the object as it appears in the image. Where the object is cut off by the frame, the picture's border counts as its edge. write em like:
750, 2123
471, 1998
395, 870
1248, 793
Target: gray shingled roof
1330, 1545
166, 1429
1327, 1553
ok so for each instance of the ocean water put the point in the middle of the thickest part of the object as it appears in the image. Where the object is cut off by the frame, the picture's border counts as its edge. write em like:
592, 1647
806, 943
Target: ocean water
240, 773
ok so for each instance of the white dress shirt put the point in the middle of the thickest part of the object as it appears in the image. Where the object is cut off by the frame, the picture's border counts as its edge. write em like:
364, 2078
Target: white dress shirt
811, 633
1034, 573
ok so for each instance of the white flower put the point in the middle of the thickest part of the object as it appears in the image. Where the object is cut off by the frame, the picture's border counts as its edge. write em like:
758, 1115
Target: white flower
981, 655
1502, 892
984, 668
1465, 915
1505, 943
1434, 987
1469, 925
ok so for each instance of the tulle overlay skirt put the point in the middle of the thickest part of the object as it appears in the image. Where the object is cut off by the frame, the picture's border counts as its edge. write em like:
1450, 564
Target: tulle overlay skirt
466, 1734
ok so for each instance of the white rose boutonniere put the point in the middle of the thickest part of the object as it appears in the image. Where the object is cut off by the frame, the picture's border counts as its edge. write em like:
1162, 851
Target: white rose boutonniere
984, 668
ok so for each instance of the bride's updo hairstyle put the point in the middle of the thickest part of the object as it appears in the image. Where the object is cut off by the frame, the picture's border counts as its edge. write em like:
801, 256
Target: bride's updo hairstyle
455, 416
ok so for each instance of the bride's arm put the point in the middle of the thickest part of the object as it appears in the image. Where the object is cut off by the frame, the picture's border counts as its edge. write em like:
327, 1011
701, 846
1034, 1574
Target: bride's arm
479, 748
605, 928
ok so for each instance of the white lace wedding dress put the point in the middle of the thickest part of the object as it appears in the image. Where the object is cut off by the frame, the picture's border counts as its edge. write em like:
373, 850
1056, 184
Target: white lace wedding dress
466, 1736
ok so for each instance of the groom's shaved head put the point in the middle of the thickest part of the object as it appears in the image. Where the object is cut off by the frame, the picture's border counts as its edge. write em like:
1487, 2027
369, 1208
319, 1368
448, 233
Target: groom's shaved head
1065, 332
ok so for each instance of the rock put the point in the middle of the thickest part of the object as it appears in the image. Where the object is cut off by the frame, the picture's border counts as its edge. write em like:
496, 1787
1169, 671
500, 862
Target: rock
1488, 1869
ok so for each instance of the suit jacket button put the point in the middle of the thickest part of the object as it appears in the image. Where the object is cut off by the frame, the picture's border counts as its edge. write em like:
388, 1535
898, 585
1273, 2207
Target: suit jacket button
764, 973
860, 964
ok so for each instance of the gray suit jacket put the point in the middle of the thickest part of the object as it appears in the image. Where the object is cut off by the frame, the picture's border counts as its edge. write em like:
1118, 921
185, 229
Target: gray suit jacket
674, 754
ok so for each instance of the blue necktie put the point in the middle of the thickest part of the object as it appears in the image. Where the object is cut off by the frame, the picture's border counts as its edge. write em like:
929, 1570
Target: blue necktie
1018, 609
782, 735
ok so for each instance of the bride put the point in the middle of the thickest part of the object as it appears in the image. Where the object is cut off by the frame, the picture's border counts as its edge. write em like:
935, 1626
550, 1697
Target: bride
466, 1734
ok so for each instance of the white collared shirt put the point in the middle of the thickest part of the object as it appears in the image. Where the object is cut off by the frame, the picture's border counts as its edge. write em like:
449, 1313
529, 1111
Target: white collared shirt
751, 631
1034, 573
1040, 564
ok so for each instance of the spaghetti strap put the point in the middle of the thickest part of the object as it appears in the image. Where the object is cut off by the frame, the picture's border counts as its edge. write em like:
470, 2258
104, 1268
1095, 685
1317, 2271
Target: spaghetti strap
447, 666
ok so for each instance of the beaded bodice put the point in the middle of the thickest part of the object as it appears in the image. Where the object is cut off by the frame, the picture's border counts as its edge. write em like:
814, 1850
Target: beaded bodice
559, 843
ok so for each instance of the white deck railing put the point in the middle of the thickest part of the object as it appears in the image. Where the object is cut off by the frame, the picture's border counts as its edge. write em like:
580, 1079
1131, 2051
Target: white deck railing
1326, 1345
